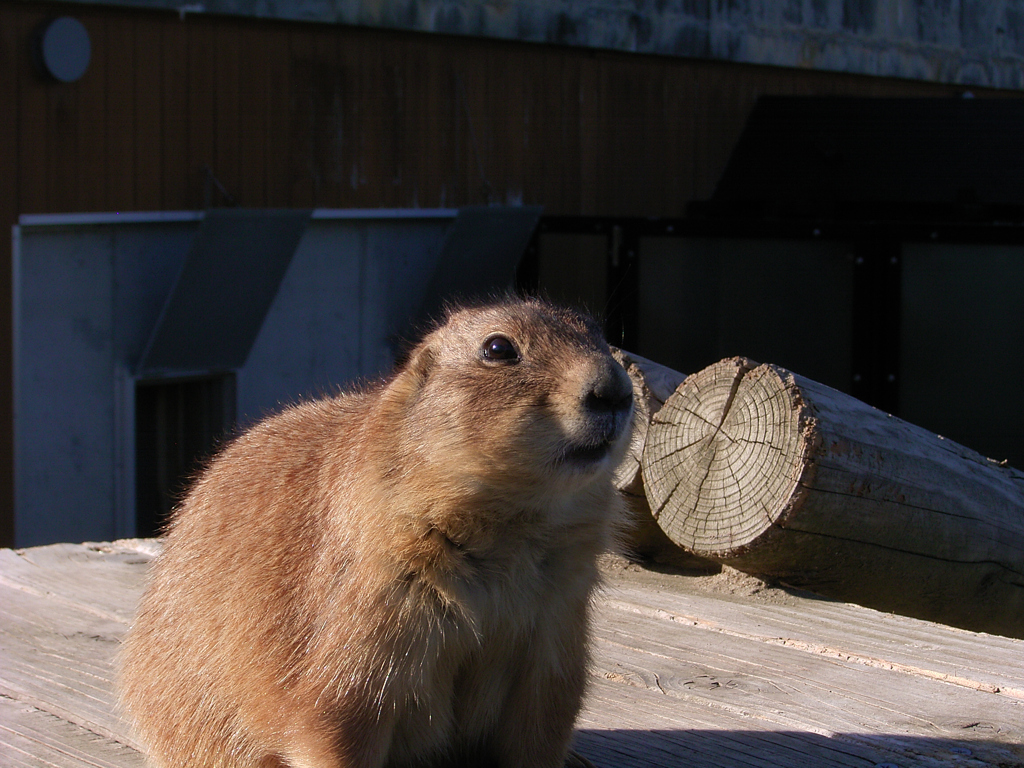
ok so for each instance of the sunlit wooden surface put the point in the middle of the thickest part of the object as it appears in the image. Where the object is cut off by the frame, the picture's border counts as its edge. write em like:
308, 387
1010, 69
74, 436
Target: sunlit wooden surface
688, 671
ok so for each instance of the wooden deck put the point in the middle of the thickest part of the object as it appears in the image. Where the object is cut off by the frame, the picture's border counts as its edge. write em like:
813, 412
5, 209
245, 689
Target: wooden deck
708, 671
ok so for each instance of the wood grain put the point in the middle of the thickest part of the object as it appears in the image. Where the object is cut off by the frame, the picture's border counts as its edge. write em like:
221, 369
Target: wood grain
643, 538
653, 384
725, 458
579, 131
703, 671
146, 39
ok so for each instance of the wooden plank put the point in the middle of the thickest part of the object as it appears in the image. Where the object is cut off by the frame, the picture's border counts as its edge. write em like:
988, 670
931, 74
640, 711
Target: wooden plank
680, 119
389, 70
360, 120
120, 114
567, 148
11, 51
460, 153
33, 124
302, 188
60, 659
624, 726
36, 738
227, 116
843, 631
888, 682
604, 107
69, 676
315, 132
417, 132
103, 580
633, 136
63, 158
510, 74
588, 130
202, 100
437, 103
717, 129
792, 690
63, 611
332, 121
148, 124
704, 672
86, 178
552, 163
253, 106
278, 147
475, 147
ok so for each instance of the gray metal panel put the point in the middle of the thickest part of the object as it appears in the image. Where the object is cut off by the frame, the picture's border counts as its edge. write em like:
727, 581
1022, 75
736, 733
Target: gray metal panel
88, 292
479, 256
229, 280
63, 393
347, 293
86, 295
148, 257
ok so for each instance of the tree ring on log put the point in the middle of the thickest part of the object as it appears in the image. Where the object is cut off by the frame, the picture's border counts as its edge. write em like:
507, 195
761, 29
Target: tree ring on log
728, 457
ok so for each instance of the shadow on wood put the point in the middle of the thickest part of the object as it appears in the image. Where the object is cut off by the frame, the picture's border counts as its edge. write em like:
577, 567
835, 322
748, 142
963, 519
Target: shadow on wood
780, 749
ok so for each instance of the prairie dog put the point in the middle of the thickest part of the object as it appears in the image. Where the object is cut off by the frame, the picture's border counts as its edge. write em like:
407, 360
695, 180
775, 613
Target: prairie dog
399, 576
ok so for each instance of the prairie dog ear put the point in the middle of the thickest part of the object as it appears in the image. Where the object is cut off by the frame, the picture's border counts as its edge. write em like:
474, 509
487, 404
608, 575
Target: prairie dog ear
420, 364
412, 376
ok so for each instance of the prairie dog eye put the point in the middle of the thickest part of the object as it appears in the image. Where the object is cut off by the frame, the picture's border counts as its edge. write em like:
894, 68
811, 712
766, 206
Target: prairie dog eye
500, 349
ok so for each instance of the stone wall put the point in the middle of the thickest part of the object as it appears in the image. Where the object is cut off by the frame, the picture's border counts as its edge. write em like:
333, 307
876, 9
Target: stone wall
977, 43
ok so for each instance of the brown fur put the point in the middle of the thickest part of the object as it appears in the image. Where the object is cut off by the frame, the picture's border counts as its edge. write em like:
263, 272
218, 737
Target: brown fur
395, 577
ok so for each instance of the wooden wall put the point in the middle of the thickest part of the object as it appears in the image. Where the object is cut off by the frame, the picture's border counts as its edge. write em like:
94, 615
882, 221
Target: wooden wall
292, 114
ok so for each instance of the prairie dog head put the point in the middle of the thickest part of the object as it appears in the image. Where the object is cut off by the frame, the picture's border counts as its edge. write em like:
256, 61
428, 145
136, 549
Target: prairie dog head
517, 395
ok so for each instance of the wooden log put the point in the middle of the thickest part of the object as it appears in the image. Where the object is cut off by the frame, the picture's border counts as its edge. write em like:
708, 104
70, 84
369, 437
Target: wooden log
652, 385
783, 477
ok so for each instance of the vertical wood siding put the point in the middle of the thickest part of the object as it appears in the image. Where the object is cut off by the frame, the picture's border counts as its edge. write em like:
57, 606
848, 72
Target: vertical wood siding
290, 114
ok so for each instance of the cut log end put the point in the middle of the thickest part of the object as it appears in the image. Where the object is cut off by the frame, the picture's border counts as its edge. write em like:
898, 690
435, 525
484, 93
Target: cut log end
641, 537
726, 457
652, 385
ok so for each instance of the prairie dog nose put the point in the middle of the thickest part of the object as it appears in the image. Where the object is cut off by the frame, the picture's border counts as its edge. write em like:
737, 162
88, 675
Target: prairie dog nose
611, 390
